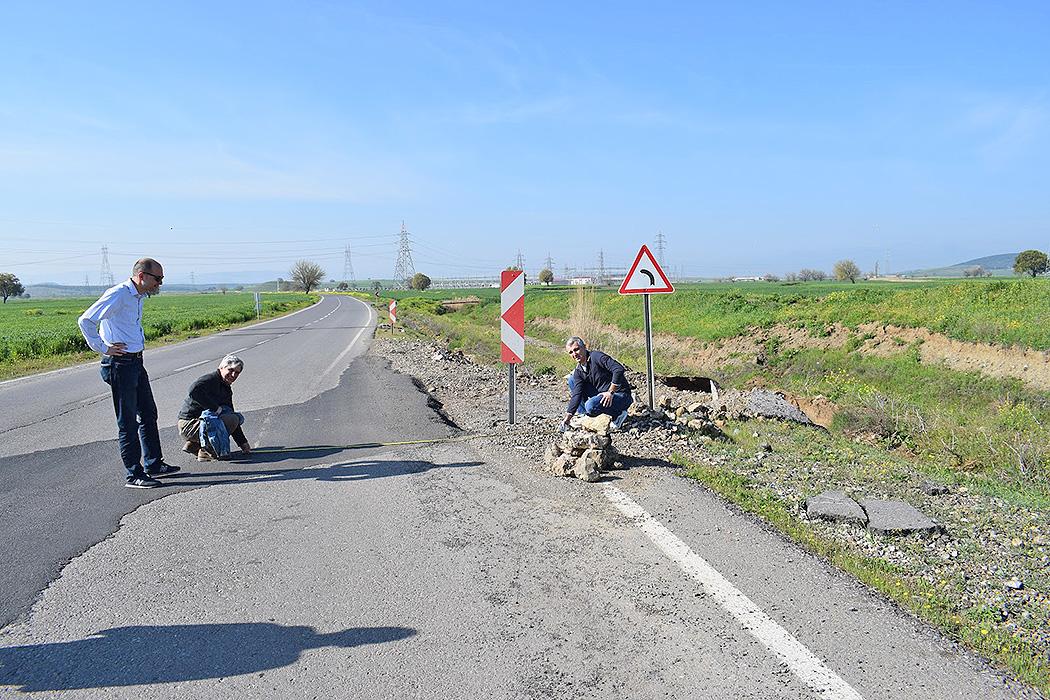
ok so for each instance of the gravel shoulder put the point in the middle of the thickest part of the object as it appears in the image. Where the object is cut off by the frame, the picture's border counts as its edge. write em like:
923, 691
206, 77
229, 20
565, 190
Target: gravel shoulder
970, 569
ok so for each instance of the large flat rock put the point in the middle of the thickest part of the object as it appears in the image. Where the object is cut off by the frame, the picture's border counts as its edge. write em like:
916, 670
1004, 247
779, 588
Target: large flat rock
835, 506
769, 404
896, 518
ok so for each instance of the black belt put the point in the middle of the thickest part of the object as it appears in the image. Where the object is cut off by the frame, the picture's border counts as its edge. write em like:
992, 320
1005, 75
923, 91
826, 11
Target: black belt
128, 355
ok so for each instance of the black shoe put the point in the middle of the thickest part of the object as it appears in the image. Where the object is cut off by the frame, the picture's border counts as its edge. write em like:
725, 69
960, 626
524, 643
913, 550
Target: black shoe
162, 469
142, 482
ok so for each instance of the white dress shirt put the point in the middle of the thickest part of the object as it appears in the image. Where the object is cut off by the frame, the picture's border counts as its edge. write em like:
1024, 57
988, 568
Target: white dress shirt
115, 318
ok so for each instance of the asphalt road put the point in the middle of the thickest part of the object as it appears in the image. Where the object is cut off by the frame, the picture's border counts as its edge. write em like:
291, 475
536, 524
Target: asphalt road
61, 479
443, 570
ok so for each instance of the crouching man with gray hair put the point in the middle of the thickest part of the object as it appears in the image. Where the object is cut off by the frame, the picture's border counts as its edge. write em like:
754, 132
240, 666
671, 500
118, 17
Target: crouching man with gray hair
597, 385
213, 392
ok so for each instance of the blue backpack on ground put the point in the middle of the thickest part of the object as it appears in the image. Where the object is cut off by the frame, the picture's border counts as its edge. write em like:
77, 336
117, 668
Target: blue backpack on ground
213, 434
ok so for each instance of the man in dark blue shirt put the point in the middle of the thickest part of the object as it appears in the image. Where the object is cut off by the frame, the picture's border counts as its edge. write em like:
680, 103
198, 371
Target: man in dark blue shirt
597, 385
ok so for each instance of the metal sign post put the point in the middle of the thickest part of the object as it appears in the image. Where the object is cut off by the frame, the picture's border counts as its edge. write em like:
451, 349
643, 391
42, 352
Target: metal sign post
512, 329
649, 351
258, 306
393, 315
512, 382
647, 278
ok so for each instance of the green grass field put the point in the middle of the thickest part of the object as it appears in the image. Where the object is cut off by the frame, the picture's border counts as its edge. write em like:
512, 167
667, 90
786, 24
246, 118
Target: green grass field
1007, 312
993, 311
32, 330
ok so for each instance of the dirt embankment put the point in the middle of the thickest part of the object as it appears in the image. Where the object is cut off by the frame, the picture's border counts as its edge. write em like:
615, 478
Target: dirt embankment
1030, 366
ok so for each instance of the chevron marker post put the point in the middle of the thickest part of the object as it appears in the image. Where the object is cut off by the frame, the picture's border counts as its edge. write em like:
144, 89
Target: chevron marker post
512, 327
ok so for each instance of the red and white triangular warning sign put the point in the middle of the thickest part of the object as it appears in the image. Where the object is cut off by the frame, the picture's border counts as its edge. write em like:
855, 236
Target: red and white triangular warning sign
645, 276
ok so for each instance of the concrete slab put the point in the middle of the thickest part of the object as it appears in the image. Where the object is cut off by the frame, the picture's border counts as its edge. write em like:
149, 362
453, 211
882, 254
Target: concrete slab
896, 518
769, 404
835, 506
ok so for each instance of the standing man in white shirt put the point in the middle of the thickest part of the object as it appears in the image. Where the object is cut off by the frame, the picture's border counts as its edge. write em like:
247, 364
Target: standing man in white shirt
112, 326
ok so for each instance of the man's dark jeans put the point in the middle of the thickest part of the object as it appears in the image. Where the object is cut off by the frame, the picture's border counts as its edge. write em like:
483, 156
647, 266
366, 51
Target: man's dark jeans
592, 404
136, 412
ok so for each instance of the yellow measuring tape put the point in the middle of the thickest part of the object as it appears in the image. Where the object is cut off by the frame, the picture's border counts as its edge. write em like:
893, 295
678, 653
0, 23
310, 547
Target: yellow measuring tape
366, 445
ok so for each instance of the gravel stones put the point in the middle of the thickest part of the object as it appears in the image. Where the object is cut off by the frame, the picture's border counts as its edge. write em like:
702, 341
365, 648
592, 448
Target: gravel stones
932, 488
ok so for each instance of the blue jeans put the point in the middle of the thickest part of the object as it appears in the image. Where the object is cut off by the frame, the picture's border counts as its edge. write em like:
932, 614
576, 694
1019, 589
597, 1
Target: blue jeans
592, 405
136, 412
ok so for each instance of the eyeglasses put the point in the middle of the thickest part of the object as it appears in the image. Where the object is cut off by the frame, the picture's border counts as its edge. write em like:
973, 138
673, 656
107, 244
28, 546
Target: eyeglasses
159, 278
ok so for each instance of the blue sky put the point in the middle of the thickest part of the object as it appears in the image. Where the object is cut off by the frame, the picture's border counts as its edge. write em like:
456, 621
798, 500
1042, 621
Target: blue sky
229, 139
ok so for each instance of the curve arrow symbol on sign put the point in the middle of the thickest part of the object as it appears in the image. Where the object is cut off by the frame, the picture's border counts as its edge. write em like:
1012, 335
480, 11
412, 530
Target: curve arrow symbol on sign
646, 276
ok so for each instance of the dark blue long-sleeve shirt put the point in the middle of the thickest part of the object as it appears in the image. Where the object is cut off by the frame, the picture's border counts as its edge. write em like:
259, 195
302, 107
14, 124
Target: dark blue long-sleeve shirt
595, 377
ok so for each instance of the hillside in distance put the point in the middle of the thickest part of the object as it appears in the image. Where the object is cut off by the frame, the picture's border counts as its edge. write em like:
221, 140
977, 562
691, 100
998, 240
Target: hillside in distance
1001, 265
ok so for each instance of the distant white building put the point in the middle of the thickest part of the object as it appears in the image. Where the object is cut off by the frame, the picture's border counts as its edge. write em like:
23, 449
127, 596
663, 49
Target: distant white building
582, 281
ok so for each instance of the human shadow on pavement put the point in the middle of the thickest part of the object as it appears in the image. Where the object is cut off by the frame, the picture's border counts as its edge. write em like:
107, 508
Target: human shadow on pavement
149, 654
280, 453
346, 471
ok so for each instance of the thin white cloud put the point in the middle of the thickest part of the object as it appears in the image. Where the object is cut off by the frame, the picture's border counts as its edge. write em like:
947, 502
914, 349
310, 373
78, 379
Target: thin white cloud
1006, 129
209, 172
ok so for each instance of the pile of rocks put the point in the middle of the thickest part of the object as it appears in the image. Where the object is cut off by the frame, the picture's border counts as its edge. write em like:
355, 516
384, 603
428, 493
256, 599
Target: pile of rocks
584, 451
695, 416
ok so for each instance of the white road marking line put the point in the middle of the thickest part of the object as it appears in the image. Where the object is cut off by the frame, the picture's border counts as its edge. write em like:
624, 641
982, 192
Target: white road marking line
263, 341
195, 364
352, 342
282, 318
802, 662
234, 352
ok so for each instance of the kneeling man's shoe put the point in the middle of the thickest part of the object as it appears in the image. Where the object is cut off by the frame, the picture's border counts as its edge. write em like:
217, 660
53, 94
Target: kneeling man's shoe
162, 469
204, 456
191, 447
618, 421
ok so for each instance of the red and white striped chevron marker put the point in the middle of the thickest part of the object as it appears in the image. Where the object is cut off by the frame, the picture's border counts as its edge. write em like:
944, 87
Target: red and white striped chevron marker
512, 327
393, 314
512, 316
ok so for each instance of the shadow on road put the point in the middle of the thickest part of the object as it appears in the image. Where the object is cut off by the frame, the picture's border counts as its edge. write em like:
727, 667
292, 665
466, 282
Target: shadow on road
345, 471
148, 654
280, 453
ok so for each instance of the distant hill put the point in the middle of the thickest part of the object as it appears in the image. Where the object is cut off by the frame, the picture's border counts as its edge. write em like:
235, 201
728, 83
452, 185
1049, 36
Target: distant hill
1001, 265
